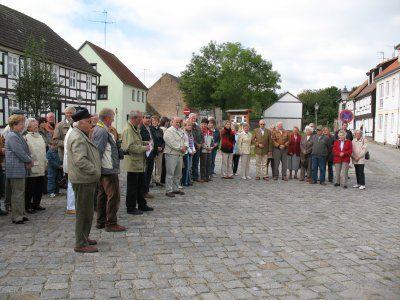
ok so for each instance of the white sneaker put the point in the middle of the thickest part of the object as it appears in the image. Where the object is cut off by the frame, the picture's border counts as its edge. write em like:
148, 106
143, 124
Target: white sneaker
244, 177
356, 186
52, 195
362, 187
248, 177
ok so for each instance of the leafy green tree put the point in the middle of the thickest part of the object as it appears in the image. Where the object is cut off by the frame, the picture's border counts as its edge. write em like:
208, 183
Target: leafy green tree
328, 107
36, 88
229, 76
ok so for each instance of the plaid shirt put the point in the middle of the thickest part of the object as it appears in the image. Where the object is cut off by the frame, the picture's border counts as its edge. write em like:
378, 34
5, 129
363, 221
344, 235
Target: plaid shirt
17, 155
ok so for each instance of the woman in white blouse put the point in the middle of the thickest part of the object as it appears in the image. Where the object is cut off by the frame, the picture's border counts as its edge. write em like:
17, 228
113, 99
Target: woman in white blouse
244, 149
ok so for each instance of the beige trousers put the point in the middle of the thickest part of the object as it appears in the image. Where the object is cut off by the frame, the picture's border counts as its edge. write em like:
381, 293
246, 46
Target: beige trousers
261, 165
245, 165
226, 167
339, 167
158, 167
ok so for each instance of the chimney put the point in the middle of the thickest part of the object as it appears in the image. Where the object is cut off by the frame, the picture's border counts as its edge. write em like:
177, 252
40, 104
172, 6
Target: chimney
398, 49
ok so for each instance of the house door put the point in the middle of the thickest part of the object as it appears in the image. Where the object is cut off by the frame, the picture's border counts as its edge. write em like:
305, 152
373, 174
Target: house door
385, 126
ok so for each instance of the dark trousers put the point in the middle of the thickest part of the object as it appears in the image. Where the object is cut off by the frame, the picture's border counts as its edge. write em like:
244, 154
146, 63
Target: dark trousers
318, 162
84, 193
205, 166
2, 182
195, 165
135, 190
149, 172
271, 161
108, 199
213, 157
360, 175
330, 170
187, 161
33, 192
235, 163
163, 172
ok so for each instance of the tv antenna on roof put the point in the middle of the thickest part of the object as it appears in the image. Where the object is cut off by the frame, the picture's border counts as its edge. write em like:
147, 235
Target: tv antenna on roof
105, 22
382, 53
393, 48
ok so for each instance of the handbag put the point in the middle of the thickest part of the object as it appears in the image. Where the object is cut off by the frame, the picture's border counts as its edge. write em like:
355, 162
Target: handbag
366, 156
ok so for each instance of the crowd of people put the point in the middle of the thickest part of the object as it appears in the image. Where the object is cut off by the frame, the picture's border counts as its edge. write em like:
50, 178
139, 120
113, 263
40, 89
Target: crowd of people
83, 152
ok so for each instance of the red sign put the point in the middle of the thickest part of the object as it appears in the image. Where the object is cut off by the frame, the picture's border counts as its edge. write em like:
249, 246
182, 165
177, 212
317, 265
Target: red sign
186, 111
346, 115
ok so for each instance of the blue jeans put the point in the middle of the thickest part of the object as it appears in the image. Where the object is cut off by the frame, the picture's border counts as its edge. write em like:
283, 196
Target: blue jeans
53, 176
195, 165
187, 168
213, 156
318, 162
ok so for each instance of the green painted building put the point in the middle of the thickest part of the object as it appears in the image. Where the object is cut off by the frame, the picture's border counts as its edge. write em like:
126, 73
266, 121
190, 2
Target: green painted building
118, 89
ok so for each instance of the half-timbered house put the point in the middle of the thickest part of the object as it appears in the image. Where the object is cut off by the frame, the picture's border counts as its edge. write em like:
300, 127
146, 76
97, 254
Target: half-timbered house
77, 79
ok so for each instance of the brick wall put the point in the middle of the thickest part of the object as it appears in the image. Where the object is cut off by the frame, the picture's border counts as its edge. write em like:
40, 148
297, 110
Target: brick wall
165, 94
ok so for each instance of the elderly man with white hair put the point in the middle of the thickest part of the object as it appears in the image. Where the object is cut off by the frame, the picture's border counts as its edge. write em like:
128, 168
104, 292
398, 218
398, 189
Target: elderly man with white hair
62, 129
175, 148
280, 139
306, 145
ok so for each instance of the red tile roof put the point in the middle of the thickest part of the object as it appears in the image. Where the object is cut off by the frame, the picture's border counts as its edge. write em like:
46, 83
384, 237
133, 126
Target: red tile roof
393, 67
358, 89
117, 67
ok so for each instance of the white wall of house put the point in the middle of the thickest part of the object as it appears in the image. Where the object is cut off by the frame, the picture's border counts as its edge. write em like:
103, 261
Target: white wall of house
362, 106
288, 109
387, 126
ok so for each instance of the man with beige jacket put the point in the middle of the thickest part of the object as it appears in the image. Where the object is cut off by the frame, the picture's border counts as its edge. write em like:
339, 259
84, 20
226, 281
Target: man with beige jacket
84, 169
262, 148
174, 150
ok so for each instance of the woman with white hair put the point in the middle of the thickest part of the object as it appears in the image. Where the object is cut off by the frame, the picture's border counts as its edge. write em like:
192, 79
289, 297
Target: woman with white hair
36, 176
358, 158
342, 150
306, 146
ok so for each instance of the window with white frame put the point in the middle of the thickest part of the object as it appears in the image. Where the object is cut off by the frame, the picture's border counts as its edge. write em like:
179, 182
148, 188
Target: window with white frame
55, 72
387, 88
381, 103
2, 61
380, 121
89, 82
138, 96
381, 90
143, 97
391, 123
393, 86
133, 95
13, 65
72, 79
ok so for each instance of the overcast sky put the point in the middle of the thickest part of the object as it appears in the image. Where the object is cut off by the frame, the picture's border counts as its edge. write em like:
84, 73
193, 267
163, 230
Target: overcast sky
312, 44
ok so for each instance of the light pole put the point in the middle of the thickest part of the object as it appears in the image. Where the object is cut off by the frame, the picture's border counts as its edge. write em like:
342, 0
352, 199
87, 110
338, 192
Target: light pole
316, 106
178, 106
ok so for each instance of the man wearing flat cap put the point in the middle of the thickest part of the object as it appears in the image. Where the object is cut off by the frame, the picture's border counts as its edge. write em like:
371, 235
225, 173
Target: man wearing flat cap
320, 150
84, 170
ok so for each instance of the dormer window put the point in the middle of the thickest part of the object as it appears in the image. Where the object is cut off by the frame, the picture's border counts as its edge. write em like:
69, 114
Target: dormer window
380, 70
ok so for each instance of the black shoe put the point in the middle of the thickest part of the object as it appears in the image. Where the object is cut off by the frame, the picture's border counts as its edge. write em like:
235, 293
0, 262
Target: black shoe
18, 222
322, 183
100, 226
134, 212
40, 208
345, 186
25, 219
146, 208
336, 184
30, 211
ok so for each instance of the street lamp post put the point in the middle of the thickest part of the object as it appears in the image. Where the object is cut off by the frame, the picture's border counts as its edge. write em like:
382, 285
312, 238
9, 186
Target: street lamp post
316, 106
178, 106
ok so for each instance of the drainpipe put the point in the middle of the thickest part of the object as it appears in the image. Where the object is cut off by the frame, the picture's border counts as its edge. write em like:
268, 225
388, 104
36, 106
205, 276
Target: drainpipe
398, 109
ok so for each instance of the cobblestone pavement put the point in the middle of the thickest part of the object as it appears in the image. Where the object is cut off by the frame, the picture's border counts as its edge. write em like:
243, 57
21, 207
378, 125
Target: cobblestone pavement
226, 239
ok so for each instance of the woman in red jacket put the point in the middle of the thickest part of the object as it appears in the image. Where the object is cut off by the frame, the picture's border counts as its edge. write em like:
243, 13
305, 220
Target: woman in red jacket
227, 144
294, 152
342, 150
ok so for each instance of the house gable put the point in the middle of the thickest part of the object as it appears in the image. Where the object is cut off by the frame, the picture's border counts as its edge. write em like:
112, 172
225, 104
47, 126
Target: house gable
288, 106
